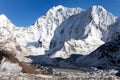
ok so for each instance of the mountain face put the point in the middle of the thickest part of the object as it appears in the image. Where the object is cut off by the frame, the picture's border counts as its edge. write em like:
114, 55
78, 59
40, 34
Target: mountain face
82, 33
48, 23
61, 32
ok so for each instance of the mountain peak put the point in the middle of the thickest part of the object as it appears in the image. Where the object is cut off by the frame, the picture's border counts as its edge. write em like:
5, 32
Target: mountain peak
98, 14
58, 7
97, 8
3, 17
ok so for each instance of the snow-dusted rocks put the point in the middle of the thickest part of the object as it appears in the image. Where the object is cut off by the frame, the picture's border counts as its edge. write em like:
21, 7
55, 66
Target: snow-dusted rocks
9, 67
10, 64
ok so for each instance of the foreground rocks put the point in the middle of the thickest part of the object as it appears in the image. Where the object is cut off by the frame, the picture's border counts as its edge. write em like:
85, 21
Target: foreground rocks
97, 75
12, 69
10, 64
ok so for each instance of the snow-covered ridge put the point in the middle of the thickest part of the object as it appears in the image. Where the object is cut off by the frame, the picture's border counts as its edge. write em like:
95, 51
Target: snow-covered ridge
60, 32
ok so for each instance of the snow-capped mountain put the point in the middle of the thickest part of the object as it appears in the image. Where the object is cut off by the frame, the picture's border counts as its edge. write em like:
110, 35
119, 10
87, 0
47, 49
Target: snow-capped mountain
48, 23
82, 33
60, 32
26, 39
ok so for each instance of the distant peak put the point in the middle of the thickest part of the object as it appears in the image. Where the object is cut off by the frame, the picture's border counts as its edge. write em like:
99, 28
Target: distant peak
55, 9
3, 17
59, 7
97, 7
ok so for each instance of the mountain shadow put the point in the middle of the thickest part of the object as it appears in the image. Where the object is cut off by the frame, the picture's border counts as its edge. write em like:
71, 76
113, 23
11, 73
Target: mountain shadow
35, 44
69, 63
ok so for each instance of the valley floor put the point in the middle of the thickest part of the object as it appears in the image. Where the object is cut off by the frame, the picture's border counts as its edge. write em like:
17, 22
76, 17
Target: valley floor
63, 74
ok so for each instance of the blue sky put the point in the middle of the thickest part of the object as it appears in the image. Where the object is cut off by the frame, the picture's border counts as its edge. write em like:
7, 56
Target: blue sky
26, 12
